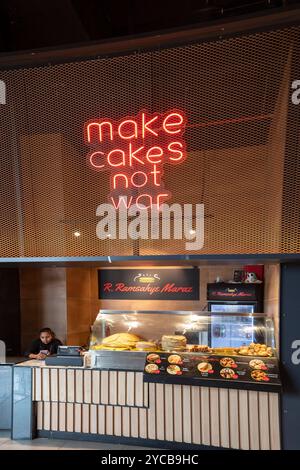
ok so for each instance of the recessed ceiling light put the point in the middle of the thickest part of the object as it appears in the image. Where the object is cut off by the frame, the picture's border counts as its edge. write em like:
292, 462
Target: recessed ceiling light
77, 234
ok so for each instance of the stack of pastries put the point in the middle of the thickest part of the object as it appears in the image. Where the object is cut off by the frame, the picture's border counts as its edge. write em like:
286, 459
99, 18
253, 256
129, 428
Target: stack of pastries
173, 343
120, 341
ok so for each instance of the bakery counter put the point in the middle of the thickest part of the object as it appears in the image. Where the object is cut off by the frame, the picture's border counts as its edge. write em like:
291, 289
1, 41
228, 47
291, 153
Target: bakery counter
119, 406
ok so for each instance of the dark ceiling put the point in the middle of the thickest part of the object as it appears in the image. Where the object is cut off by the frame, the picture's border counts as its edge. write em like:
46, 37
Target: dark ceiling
36, 24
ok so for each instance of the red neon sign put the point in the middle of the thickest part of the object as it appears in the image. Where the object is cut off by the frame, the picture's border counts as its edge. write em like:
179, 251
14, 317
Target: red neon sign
134, 150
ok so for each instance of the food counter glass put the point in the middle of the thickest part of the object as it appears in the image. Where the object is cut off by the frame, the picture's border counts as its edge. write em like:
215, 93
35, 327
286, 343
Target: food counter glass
177, 347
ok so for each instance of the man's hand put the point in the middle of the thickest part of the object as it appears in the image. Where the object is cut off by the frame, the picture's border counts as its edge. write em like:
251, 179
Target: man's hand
40, 356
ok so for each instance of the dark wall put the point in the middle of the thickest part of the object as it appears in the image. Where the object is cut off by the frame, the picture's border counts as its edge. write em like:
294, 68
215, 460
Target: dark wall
10, 310
290, 354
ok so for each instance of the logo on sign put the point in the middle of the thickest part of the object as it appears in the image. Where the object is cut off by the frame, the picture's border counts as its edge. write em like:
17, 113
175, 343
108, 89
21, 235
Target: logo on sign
145, 278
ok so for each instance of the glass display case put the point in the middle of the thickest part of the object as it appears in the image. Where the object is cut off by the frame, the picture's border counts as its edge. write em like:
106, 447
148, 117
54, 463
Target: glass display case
149, 330
188, 347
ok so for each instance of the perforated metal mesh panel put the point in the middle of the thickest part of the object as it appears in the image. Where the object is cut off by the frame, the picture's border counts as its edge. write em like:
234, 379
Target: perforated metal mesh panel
243, 149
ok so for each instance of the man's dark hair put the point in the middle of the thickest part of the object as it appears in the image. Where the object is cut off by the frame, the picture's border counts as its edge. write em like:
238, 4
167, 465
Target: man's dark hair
47, 330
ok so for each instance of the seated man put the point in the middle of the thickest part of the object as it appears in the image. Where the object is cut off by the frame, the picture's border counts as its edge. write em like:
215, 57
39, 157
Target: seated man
43, 346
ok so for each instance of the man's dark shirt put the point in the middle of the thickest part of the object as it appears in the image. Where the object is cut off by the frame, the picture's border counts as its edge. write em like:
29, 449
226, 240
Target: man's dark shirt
37, 345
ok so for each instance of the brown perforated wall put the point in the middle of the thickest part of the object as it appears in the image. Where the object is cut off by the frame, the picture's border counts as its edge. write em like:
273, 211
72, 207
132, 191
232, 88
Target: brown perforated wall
243, 149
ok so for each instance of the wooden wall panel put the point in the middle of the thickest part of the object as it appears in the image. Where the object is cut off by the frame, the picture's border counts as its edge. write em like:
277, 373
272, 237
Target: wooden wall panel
187, 414
54, 416
70, 417
87, 389
101, 419
94, 419
130, 389
253, 420
118, 421
143, 423
178, 431
62, 417
134, 422
152, 412
205, 415
244, 420
264, 423
125, 421
86, 386
70, 385
62, 381
85, 410
121, 388
43, 299
79, 386
40, 415
139, 389
274, 421
224, 417
113, 388
228, 418
104, 388
54, 384
77, 417
196, 416
96, 387
47, 416
169, 422
78, 304
37, 378
146, 394
109, 421
160, 411
234, 437
46, 384
214, 417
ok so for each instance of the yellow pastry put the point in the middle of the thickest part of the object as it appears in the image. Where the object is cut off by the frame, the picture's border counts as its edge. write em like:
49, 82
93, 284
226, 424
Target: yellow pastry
121, 340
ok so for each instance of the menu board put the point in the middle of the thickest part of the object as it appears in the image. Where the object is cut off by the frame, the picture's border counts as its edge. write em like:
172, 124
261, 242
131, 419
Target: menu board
197, 367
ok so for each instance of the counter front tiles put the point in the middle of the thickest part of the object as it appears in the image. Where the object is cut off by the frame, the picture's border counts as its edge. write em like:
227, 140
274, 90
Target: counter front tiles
97, 404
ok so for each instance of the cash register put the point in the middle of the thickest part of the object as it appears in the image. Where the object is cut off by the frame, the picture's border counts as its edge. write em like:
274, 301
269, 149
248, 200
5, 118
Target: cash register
66, 356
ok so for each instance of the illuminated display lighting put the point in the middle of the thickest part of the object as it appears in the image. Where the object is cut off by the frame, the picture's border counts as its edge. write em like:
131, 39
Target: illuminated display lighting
134, 150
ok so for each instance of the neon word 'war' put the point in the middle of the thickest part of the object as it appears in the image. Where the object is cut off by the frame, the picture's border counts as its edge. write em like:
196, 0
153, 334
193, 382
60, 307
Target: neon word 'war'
135, 150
